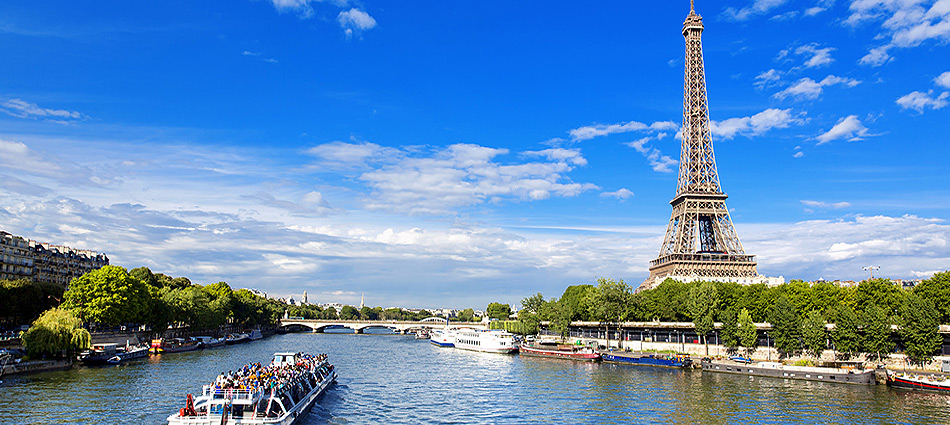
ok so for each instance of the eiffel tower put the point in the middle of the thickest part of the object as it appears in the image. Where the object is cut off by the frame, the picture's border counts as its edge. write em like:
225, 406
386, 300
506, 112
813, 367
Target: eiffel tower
700, 239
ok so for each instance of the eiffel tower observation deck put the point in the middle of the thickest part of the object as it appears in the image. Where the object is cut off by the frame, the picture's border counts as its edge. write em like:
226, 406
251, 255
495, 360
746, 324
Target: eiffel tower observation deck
701, 242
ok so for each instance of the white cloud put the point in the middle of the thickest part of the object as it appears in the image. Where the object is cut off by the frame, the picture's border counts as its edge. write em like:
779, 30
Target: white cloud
621, 194
907, 23
350, 155
355, 20
768, 78
798, 154
806, 88
919, 101
943, 80
463, 175
758, 7
825, 205
816, 56
849, 128
659, 162
592, 131
755, 125
23, 109
812, 11
876, 57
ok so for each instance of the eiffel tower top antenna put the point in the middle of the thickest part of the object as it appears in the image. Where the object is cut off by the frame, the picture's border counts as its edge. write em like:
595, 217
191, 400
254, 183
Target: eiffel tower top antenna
691, 9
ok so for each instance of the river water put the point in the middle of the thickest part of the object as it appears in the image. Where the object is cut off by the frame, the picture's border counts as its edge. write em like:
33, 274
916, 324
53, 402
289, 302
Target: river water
396, 379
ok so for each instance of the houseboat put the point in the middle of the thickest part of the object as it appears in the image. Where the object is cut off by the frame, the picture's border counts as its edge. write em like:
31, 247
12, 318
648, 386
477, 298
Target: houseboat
279, 393
173, 345
559, 351
917, 381
209, 341
647, 359
488, 341
779, 370
103, 354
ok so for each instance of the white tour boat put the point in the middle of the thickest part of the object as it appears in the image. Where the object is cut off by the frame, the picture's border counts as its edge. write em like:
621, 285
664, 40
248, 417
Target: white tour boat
491, 341
443, 337
278, 393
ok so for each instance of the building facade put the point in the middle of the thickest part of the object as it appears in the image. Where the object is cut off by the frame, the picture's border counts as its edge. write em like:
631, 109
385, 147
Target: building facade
43, 262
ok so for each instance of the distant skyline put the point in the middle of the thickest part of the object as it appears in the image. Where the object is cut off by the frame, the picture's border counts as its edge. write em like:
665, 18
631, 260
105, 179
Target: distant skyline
456, 154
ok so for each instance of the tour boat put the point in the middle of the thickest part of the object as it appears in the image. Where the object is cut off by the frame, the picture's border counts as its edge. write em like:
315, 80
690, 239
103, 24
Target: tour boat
422, 334
443, 337
647, 359
101, 354
488, 341
279, 393
938, 383
560, 351
173, 345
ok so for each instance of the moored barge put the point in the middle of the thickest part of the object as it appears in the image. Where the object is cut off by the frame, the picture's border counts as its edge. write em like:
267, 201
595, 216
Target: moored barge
279, 393
921, 382
560, 351
647, 359
806, 373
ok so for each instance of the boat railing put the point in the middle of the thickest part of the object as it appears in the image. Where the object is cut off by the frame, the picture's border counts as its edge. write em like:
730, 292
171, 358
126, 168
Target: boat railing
230, 393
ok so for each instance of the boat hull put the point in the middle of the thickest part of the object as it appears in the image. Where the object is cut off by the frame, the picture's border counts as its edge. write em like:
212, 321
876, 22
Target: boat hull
445, 344
646, 360
898, 382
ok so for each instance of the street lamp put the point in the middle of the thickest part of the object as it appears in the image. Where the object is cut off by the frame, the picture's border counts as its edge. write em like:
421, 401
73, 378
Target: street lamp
768, 345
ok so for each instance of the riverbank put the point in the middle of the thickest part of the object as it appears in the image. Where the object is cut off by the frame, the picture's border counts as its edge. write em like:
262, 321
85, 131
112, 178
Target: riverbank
35, 366
893, 361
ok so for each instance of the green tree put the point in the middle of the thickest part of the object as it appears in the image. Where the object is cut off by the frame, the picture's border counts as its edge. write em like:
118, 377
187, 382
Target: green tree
877, 331
919, 328
498, 311
786, 326
814, 333
109, 296
703, 300
367, 313
880, 292
530, 314
22, 301
146, 276
330, 314
467, 315
349, 313
576, 299
56, 332
845, 334
748, 335
937, 290
192, 306
609, 303
730, 329
533, 303
560, 316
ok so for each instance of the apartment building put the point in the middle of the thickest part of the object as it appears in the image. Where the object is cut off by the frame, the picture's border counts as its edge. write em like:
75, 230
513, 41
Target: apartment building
43, 262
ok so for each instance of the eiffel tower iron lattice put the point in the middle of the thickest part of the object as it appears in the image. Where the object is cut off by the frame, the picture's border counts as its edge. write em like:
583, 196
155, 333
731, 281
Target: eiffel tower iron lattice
700, 238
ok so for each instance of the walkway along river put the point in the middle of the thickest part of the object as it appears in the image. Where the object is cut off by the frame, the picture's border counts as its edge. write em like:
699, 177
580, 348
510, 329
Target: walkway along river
398, 379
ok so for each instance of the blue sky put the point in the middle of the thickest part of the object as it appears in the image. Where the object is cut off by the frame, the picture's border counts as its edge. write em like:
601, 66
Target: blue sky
454, 154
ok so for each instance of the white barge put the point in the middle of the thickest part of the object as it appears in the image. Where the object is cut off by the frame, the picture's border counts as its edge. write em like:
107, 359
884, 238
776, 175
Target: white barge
278, 393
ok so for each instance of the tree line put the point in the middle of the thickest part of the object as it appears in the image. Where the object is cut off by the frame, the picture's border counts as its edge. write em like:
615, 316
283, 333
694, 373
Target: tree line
860, 317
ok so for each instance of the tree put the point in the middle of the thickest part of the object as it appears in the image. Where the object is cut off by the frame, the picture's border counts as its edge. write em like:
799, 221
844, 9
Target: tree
146, 276
56, 332
730, 329
576, 299
108, 295
919, 328
748, 334
703, 300
559, 313
814, 333
879, 292
786, 326
22, 301
349, 313
609, 302
533, 303
530, 314
937, 290
498, 311
845, 333
467, 315
367, 313
877, 331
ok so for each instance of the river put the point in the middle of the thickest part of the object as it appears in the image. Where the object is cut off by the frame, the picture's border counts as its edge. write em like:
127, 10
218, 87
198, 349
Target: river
396, 379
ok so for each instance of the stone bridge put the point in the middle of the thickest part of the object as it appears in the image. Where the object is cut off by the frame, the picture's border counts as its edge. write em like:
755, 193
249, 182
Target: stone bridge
358, 326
